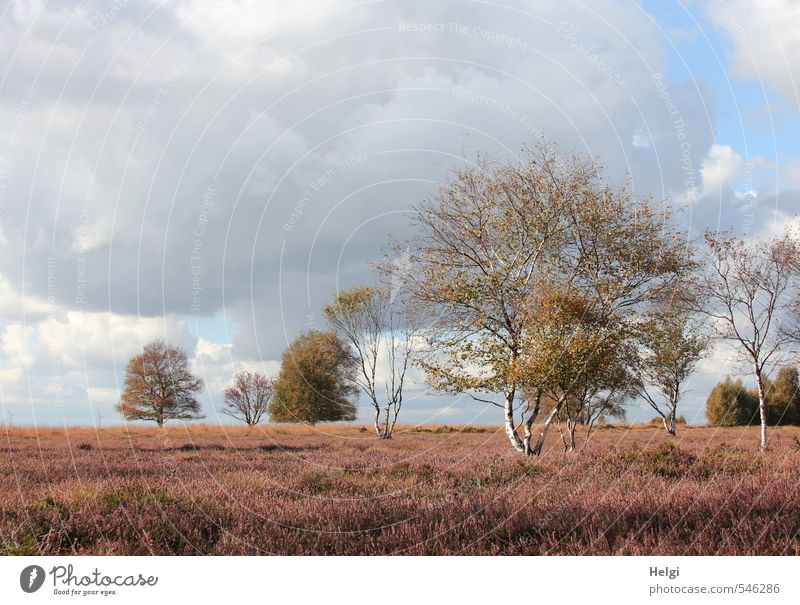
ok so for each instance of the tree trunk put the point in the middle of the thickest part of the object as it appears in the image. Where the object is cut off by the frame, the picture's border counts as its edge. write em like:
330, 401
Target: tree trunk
387, 426
762, 408
511, 430
526, 442
378, 421
537, 450
669, 424
572, 425
396, 411
673, 415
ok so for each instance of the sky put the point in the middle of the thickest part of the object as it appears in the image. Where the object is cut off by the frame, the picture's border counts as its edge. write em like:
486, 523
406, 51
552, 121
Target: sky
212, 172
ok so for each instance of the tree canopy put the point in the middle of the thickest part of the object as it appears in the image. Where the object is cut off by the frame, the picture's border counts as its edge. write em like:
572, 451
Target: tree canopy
247, 399
159, 386
671, 342
730, 403
783, 397
316, 382
497, 239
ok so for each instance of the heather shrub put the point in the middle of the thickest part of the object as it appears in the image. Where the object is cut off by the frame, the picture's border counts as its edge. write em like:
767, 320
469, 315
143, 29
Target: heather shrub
421, 494
316, 481
193, 447
723, 459
136, 495
669, 460
23, 546
406, 470
620, 460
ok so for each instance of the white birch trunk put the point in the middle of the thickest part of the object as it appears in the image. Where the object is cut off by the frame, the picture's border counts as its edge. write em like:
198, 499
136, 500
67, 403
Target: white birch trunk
526, 441
378, 421
511, 430
537, 450
762, 408
571, 428
673, 416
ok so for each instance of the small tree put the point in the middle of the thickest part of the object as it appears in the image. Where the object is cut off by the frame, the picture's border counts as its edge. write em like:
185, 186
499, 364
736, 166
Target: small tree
159, 386
749, 292
731, 404
382, 339
672, 343
316, 382
576, 357
586, 407
248, 397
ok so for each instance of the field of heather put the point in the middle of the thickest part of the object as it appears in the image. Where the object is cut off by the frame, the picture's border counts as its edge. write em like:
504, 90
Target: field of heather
338, 490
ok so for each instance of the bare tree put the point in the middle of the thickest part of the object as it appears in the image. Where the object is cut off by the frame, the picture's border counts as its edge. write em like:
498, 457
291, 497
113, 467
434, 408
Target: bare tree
159, 386
247, 399
382, 336
749, 292
602, 406
672, 342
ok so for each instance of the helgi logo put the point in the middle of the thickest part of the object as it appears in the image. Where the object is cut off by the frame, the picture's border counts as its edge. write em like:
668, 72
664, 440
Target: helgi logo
31, 578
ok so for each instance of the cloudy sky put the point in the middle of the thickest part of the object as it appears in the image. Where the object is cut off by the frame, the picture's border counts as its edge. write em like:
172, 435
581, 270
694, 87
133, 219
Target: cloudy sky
211, 172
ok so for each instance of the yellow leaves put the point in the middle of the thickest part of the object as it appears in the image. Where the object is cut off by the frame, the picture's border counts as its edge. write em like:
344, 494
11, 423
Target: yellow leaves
530, 257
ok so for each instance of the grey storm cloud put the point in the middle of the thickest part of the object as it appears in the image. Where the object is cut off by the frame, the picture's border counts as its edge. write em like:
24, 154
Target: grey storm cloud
172, 159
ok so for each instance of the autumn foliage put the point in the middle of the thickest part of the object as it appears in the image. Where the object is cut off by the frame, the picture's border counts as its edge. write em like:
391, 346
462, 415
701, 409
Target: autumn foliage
316, 382
159, 386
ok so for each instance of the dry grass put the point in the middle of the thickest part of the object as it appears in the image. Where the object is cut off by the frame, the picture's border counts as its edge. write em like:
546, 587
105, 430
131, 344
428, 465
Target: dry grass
202, 489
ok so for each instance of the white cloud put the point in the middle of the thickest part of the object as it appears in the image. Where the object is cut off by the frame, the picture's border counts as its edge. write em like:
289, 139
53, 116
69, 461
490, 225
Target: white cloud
641, 138
215, 364
122, 121
790, 175
66, 364
721, 167
244, 22
765, 44
14, 308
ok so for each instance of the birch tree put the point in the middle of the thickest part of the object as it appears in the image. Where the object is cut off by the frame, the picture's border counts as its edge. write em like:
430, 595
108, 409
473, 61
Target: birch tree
576, 358
382, 337
671, 344
485, 242
749, 292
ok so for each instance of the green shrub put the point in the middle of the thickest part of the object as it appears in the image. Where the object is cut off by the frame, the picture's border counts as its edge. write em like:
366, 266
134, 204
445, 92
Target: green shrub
731, 404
